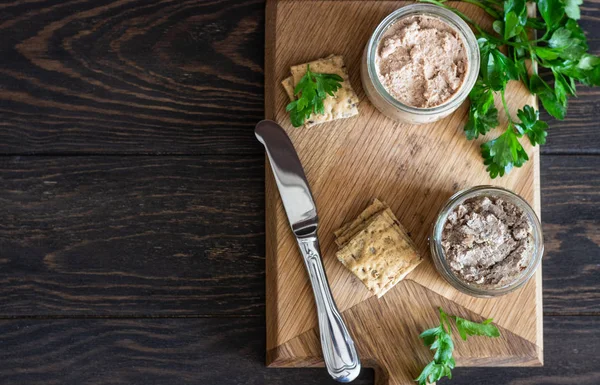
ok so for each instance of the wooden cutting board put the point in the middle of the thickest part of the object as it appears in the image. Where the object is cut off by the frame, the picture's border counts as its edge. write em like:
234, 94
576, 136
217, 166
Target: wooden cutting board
415, 169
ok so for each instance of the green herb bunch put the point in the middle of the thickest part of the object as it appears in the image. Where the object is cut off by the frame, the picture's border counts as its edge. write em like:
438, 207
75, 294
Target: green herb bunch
562, 49
311, 90
440, 340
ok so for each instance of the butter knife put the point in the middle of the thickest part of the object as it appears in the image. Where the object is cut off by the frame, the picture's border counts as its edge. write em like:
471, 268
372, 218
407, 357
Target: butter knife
339, 353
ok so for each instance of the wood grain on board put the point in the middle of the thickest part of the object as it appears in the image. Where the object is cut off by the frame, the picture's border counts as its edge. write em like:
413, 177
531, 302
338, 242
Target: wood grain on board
347, 164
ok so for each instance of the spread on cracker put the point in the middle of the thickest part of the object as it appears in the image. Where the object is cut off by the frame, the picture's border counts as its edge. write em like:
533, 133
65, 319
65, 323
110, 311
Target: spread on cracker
376, 248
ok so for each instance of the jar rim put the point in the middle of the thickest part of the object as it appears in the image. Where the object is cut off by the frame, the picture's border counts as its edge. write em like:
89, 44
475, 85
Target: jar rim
447, 16
438, 254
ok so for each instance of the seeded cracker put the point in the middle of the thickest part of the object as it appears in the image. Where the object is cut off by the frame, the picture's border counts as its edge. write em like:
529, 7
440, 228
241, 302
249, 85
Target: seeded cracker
367, 213
342, 105
288, 85
380, 254
348, 231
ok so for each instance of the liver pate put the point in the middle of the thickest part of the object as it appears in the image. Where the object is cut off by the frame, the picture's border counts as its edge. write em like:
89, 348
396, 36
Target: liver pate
422, 61
487, 241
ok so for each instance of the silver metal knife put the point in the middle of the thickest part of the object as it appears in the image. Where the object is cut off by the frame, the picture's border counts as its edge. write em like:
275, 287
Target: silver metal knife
339, 353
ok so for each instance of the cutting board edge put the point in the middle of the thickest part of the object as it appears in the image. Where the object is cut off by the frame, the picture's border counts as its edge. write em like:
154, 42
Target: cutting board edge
537, 202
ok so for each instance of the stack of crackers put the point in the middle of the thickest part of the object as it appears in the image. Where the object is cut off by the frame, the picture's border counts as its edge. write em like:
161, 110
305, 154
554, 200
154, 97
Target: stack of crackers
376, 248
342, 105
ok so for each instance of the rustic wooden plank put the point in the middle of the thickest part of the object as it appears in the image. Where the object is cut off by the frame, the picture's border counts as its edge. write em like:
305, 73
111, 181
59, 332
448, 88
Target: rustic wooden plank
571, 353
228, 351
137, 76
144, 351
575, 134
571, 222
164, 77
131, 235
185, 235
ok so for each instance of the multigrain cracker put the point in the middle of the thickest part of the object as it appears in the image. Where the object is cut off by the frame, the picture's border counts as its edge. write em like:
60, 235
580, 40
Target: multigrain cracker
342, 105
343, 239
375, 207
288, 86
332, 64
346, 232
377, 249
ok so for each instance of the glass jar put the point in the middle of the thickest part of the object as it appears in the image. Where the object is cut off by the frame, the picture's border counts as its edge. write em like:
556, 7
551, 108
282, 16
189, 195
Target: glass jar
437, 251
393, 108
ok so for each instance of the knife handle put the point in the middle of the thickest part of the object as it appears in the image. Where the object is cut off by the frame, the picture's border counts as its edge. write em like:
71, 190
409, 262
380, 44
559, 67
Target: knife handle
339, 353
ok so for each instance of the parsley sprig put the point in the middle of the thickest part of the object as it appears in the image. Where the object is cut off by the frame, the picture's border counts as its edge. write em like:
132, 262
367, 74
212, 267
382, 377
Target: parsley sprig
439, 339
561, 49
312, 90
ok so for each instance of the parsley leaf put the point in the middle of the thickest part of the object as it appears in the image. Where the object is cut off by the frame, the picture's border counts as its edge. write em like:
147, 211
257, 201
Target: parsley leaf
588, 62
560, 46
538, 86
552, 12
496, 68
531, 126
443, 347
567, 43
429, 335
515, 17
312, 89
297, 115
586, 70
432, 373
572, 8
483, 115
576, 31
589, 67
546, 53
470, 328
439, 339
503, 153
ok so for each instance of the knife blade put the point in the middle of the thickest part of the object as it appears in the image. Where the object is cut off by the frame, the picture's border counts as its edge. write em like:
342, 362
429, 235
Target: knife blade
289, 176
339, 352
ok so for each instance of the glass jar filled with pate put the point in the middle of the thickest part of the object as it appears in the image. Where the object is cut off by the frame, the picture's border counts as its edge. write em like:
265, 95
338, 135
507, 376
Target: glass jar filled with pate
420, 64
487, 241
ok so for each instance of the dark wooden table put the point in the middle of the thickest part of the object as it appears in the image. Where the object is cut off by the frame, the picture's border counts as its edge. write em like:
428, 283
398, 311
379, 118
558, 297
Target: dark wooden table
131, 201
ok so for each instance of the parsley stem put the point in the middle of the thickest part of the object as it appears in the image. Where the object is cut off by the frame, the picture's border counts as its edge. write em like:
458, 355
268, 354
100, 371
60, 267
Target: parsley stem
529, 46
459, 13
512, 43
506, 108
496, 3
491, 11
480, 31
